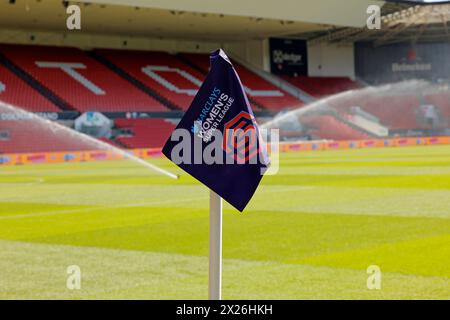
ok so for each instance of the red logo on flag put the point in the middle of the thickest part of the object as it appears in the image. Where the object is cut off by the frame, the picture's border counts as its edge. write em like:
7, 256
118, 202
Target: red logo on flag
240, 139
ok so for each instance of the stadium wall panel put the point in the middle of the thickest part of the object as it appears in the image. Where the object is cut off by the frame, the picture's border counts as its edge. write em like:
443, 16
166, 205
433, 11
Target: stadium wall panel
85, 40
326, 60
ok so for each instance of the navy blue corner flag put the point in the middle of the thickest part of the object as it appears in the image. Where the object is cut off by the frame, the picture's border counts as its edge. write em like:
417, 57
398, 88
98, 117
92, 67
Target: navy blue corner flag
218, 141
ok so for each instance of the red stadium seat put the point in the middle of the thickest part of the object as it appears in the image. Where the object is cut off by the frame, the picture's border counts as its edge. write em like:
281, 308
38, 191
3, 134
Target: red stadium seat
201, 61
17, 92
162, 72
395, 112
145, 133
78, 79
29, 136
328, 127
322, 86
257, 88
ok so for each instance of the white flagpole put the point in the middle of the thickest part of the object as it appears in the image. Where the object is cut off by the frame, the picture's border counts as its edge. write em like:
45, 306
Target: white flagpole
215, 246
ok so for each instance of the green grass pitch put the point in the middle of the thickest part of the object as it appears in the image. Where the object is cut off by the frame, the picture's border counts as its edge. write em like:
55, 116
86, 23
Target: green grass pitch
310, 232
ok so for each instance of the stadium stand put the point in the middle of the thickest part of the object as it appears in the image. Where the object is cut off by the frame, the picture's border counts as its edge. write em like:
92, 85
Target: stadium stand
144, 133
82, 82
322, 86
265, 94
162, 72
122, 80
28, 136
395, 112
197, 60
328, 127
200, 62
17, 92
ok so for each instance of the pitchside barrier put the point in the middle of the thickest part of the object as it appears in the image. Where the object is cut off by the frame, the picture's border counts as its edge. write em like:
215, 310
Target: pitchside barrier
100, 155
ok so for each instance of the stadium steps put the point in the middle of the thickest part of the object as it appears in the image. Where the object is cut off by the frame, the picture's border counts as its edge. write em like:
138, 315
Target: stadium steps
353, 126
327, 126
32, 82
193, 65
138, 84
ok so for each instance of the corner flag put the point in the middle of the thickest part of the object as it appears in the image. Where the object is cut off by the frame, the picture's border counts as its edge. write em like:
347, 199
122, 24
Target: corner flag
218, 140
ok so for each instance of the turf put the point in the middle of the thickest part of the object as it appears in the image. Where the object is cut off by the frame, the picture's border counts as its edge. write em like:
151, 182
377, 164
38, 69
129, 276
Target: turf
310, 231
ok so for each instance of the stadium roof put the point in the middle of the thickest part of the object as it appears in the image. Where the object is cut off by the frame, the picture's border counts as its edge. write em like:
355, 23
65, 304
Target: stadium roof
336, 12
194, 19
401, 22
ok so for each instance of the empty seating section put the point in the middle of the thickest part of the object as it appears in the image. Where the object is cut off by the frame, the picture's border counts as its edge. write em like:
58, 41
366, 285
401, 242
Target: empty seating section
28, 136
144, 133
17, 92
395, 112
162, 72
260, 90
322, 86
265, 93
328, 127
86, 84
78, 79
202, 62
